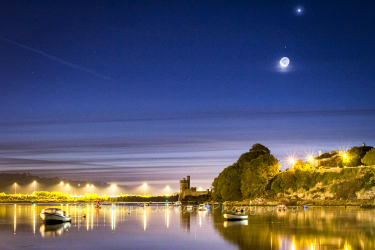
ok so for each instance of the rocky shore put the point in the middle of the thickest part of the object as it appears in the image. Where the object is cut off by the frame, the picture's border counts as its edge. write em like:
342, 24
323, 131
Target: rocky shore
369, 203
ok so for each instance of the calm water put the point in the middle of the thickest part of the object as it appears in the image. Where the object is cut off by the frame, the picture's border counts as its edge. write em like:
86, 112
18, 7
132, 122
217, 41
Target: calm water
166, 227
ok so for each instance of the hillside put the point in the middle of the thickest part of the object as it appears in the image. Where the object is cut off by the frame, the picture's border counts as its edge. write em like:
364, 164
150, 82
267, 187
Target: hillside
256, 177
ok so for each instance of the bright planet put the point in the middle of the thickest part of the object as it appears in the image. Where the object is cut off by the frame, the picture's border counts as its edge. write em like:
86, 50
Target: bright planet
284, 62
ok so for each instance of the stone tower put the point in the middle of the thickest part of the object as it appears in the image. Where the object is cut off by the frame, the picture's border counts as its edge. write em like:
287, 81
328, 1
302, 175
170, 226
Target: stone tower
184, 184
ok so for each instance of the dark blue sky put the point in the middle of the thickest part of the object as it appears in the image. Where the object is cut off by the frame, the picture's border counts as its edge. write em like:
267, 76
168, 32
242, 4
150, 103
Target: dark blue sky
134, 91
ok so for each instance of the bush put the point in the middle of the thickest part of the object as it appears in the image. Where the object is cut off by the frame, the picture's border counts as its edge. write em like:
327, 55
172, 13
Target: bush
347, 189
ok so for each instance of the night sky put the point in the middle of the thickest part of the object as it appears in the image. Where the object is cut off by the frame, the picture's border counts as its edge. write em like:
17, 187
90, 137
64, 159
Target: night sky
151, 91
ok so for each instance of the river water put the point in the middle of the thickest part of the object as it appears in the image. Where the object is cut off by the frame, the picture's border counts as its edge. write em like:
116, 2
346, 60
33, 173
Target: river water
119, 226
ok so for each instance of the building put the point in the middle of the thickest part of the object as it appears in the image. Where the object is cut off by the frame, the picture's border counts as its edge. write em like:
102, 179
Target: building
327, 159
336, 157
187, 190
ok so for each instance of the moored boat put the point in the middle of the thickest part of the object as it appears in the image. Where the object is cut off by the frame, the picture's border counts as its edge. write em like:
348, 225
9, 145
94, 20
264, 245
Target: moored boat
202, 207
235, 216
189, 207
178, 203
281, 207
54, 215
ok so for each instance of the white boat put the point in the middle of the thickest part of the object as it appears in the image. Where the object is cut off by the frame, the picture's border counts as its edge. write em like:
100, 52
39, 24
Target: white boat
54, 215
189, 207
178, 203
202, 207
235, 216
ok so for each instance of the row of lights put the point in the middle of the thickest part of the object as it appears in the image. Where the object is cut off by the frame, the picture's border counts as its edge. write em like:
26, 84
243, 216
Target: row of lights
87, 187
310, 158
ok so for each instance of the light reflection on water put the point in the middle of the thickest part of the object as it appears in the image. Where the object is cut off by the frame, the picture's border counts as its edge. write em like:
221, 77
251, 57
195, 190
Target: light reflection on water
164, 227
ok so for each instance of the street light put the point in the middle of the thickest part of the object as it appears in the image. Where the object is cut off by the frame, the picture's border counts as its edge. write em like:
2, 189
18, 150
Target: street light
15, 188
145, 187
34, 186
292, 161
61, 185
311, 160
67, 188
167, 190
92, 189
113, 189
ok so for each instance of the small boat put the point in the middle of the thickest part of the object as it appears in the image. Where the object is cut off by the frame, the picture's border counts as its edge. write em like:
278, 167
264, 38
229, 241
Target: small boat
189, 207
235, 216
178, 203
281, 207
54, 215
305, 207
202, 207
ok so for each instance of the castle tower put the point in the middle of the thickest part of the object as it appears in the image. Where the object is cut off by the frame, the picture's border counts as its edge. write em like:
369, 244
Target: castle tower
188, 181
183, 185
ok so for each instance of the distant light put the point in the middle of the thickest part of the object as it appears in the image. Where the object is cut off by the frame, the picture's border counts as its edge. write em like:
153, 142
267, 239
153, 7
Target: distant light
311, 158
345, 156
292, 160
299, 10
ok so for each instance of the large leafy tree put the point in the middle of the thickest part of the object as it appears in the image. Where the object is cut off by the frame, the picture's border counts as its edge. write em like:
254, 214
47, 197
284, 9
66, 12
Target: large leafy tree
258, 166
257, 174
227, 186
369, 158
255, 151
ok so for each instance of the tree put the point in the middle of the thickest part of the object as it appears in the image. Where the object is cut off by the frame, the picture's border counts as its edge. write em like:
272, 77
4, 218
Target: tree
227, 186
354, 156
369, 158
299, 164
257, 174
255, 151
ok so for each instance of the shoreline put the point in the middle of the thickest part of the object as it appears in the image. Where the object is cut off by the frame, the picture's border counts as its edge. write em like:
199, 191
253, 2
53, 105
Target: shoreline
312, 203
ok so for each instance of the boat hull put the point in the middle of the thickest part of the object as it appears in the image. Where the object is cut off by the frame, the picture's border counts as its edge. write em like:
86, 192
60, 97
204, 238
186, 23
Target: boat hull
235, 216
46, 217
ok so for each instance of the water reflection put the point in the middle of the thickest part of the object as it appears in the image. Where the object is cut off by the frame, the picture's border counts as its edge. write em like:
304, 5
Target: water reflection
185, 219
15, 218
235, 223
315, 228
53, 230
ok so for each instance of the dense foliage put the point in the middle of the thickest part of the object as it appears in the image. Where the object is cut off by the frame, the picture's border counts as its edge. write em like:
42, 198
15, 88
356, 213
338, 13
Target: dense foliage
369, 158
354, 156
256, 174
248, 177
